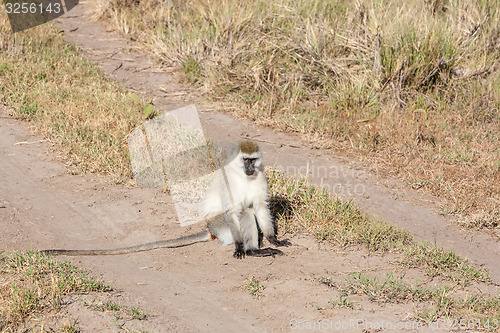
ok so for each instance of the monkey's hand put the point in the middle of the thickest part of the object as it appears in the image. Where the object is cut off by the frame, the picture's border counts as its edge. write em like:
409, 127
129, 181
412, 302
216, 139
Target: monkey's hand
239, 252
273, 240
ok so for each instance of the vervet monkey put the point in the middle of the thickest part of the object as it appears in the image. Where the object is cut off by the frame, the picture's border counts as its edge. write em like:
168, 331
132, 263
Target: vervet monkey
241, 194
236, 203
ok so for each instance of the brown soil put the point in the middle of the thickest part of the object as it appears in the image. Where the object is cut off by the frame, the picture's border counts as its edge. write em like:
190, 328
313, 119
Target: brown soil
199, 288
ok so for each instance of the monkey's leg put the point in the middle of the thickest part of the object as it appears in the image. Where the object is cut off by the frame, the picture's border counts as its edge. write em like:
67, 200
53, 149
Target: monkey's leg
251, 236
234, 225
249, 231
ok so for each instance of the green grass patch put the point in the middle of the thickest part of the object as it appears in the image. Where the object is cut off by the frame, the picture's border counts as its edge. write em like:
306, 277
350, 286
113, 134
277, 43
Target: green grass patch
137, 313
441, 301
253, 286
33, 283
342, 303
70, 327
439, 262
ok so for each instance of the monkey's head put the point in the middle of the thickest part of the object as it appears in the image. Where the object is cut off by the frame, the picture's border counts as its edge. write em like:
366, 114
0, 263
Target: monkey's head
251, 157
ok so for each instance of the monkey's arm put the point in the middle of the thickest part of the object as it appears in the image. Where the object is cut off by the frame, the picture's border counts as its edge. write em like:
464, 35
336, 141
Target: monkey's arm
266, 225
234, 226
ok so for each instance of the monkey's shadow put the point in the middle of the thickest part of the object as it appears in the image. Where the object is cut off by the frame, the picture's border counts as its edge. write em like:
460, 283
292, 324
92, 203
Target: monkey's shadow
280, 208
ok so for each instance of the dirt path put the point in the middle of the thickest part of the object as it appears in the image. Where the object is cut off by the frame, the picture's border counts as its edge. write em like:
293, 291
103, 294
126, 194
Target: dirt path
199, 288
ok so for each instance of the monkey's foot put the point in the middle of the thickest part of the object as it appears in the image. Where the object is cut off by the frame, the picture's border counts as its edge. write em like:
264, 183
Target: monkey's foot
273, 240
239, 255
239, 252
264, 252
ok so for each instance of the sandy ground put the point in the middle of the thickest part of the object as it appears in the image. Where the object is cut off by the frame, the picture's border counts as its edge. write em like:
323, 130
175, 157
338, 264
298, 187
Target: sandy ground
199, 288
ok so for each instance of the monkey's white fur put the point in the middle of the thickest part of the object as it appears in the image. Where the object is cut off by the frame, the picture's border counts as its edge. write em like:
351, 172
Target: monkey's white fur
243, 198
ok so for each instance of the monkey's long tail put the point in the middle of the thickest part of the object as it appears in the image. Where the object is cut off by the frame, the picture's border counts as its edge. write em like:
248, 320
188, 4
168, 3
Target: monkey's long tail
202, 236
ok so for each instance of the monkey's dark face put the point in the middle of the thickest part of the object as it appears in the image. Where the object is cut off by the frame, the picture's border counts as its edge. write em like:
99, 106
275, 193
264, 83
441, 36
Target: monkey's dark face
250, 161
249, 165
